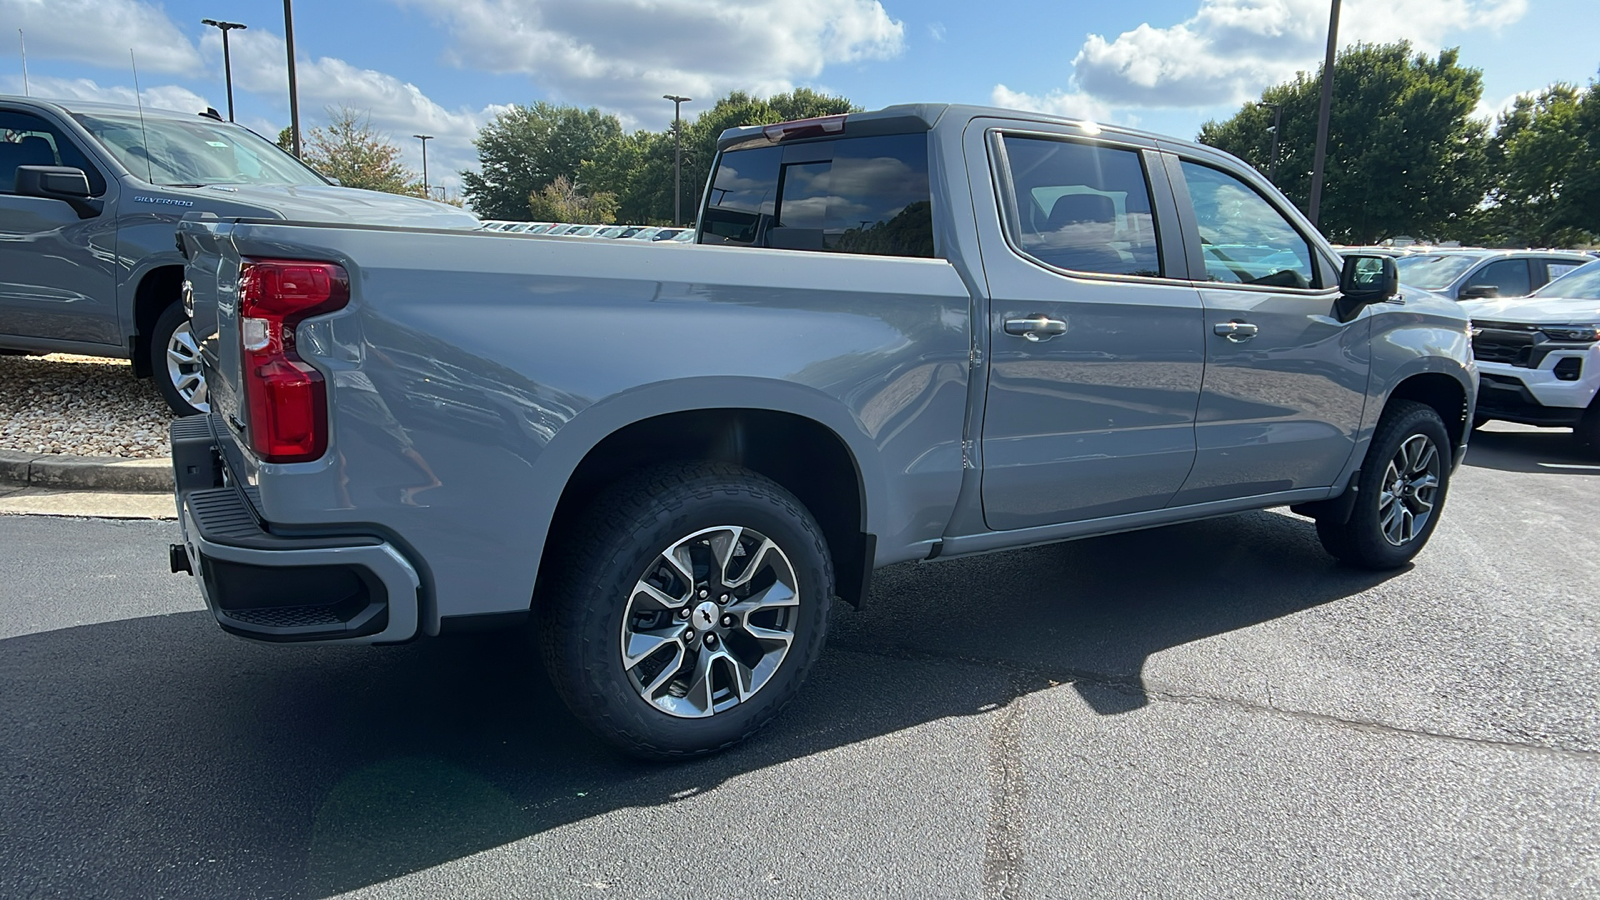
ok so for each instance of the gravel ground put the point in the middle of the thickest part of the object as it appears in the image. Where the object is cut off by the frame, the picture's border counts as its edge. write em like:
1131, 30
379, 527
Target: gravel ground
80, 406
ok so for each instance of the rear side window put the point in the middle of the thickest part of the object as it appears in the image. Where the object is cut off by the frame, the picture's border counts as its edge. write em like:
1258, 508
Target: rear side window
867, 195
1082, 207
27, 140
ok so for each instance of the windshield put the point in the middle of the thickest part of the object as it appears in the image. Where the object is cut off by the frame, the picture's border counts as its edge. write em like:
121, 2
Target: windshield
1433, 273
174, 152
1582, 283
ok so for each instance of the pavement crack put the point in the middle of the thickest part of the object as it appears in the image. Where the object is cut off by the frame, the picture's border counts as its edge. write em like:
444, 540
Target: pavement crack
1025, 679
1006, 831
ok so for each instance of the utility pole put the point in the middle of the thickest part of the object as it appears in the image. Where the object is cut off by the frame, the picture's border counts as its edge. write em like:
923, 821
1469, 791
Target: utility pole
424, 138
677, 159
294, 93
227, 62
1272, 155
1319, 165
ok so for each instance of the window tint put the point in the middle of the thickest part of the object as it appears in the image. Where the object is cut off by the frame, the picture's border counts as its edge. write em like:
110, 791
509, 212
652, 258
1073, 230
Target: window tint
1243, 238
27, 140
1082, 207
1509, 275
1556, 268
865, 195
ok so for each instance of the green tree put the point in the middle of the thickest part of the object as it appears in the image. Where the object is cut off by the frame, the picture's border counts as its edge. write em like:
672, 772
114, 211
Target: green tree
351, 151
1534, 155
1404, 156
526, 148
563, 201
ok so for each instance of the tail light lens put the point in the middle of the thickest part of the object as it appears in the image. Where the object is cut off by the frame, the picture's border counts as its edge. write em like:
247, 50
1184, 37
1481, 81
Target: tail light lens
286, 401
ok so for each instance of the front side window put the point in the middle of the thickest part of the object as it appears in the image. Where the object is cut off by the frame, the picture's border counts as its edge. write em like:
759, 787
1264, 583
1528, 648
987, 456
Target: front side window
1243, 238
173, 152
1508, 276
27, 140
1082, 207
867, 195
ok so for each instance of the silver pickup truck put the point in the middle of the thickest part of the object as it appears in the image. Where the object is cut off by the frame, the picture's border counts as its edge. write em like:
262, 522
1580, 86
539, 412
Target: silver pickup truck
89, 196
909, 334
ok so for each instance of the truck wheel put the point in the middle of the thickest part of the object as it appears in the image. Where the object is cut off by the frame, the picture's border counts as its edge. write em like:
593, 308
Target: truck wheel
688, 606
1400, 494
175, 363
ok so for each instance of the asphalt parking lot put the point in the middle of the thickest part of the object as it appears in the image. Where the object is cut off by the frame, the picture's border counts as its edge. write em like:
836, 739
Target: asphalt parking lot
1209, 709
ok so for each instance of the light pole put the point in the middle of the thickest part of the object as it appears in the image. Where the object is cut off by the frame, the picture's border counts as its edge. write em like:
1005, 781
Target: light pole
677, 157
424, 138
294, 94
227, 62
1322, 115
1272, 155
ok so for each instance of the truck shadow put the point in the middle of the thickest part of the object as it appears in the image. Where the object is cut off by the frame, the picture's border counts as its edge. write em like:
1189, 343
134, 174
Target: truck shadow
155, 756
1520, 448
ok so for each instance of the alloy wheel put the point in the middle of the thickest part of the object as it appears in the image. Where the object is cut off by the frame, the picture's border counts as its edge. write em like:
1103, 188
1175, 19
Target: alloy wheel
1410, 489
184, 370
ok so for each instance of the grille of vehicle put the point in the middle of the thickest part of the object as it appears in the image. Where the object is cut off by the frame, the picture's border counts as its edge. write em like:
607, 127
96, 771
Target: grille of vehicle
288, 616
1510, 343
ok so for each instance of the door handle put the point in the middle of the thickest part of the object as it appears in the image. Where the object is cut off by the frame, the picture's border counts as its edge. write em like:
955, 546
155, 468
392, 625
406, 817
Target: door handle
1036, 327
1238, 332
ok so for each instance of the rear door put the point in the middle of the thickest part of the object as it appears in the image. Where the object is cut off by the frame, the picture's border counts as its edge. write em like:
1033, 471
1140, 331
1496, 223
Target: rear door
1286, 364
58, 273
1095, 341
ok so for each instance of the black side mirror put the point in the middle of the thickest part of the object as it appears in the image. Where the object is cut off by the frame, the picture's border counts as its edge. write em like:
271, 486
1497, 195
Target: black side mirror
64, 183
1369, 279
1478, 292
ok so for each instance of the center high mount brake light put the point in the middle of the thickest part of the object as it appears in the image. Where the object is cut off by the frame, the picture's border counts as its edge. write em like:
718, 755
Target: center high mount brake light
784, 131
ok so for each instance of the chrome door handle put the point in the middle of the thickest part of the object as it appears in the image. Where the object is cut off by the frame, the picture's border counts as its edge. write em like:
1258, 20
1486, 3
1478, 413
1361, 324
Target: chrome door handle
1036, 327
1238, 332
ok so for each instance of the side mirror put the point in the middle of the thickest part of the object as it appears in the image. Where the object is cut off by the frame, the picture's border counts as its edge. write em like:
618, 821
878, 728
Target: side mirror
64, 183
1478, 292
1369, 279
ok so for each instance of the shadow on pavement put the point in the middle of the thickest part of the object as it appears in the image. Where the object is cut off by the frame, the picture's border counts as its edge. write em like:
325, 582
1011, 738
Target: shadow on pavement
155, 756
1550, 451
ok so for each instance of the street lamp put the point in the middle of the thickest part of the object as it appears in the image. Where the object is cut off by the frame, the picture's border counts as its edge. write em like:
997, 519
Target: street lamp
294, 94
677, 159
424, 138
227, 63
1322, 114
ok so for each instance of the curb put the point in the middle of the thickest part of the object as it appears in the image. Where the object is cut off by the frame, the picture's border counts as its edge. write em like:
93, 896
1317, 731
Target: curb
93, 473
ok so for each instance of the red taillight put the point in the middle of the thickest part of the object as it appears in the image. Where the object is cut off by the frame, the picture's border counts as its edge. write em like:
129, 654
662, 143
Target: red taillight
784, 131
286, 400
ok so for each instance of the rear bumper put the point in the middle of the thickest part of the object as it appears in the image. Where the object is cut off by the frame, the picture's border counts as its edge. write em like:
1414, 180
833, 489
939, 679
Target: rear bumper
349, 589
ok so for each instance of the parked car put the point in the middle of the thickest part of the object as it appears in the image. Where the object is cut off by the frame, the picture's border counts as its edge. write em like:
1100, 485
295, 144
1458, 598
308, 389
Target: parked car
1539, 356
611, 231
89, 197
1476, 274
954, 330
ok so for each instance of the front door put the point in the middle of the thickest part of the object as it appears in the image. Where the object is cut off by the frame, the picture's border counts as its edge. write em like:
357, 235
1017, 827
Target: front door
57, 271
1286, 365
1095, 352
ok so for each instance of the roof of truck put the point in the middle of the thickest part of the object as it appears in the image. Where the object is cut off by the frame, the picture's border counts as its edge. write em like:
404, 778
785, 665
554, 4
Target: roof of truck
90, 107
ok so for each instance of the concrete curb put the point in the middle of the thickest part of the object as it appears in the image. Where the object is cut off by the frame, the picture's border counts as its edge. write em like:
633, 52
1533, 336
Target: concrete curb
86, 473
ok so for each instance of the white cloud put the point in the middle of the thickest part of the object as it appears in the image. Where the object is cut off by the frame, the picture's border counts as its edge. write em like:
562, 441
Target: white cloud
1231, 49
167, 96
936, 30
1071, 105
622, 55
99, 32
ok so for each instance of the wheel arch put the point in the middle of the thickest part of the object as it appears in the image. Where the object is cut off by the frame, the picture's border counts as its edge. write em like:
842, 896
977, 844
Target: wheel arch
158, 287
1447, 395
801, 439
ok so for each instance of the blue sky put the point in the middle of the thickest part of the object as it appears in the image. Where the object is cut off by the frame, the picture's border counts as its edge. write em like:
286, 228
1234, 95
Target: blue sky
446, 66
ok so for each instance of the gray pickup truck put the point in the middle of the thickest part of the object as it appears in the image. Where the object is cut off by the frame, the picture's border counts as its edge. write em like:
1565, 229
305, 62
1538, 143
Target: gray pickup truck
89, 196
909, 334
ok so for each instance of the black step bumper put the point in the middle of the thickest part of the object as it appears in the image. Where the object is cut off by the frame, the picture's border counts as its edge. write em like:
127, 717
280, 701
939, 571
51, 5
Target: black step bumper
275, 587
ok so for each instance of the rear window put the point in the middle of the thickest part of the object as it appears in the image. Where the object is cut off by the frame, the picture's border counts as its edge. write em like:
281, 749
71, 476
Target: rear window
866, 195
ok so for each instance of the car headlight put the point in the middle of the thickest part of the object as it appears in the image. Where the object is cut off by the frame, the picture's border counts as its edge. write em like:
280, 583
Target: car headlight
1586, 334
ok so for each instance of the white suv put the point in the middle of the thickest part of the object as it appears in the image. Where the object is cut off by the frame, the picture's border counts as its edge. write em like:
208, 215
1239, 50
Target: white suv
1539, 356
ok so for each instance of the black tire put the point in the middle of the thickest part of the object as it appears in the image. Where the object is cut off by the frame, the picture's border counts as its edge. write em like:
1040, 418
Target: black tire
1587, 430
619, 543
176, 381
1362, 541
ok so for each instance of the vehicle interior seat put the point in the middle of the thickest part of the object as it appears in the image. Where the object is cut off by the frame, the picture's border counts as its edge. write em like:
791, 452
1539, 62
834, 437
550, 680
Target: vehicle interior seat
1079, 235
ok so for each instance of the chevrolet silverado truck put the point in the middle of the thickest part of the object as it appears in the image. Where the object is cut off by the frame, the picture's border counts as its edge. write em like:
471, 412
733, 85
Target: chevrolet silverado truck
90, 195
909, 334
1539, 356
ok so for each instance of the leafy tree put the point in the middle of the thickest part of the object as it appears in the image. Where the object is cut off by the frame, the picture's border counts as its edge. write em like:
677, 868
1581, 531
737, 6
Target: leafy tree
1534, 154
637, 170
526, 148
562, 201
286, 139
1404, 156
350, 150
